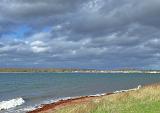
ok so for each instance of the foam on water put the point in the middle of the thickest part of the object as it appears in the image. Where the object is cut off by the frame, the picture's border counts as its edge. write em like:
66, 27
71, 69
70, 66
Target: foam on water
4, 105
24, 110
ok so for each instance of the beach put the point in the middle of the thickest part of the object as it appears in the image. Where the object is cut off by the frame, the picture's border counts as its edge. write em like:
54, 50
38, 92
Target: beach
64, 105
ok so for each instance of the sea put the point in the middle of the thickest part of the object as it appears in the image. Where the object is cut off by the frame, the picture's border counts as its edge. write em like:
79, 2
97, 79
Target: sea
22, 92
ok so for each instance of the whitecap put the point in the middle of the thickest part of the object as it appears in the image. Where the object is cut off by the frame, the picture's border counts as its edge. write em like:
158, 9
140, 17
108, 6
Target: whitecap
4, 105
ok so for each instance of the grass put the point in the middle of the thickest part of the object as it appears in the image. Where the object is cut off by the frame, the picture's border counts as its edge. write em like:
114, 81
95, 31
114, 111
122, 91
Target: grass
144, 100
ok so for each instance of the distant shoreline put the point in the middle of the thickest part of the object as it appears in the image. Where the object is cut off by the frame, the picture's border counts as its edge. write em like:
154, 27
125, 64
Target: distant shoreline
74, 70
115, 72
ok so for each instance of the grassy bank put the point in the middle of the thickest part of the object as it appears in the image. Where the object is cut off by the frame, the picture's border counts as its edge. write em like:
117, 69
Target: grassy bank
144, 100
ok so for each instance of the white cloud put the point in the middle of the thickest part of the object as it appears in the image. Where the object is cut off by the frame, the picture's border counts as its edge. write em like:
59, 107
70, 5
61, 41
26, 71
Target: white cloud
37, 43
37, 49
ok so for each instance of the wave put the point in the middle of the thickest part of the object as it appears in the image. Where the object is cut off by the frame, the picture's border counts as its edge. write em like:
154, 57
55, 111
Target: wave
19, 101
24, 110
4, 105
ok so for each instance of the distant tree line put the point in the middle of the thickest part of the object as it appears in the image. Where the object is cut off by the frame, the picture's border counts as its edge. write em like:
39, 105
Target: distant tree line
41, 70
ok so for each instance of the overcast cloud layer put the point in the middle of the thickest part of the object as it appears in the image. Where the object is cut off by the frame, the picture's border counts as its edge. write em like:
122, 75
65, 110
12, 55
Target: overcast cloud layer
101, 34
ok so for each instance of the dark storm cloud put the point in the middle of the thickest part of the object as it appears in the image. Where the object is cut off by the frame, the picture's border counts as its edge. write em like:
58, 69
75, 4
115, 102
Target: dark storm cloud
118, 17
36, 13
80, 33
24, 9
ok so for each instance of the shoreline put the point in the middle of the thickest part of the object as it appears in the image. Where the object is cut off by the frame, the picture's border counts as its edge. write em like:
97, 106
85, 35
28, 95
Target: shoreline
73, 100
62, 102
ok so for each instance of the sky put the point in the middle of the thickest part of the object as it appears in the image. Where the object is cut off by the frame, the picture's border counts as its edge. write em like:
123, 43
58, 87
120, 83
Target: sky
95, 34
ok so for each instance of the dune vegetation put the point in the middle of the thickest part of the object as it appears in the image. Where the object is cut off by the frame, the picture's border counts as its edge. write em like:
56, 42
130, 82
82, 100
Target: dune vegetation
144, 100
